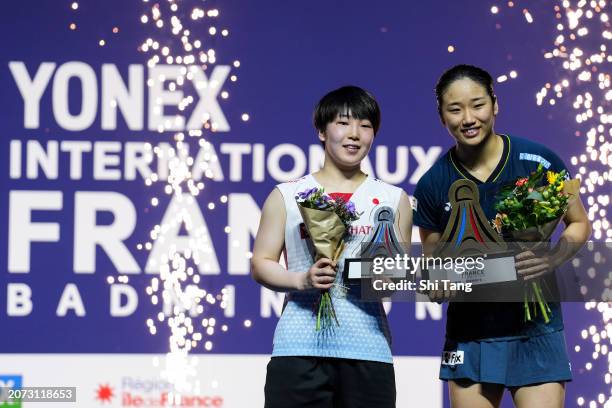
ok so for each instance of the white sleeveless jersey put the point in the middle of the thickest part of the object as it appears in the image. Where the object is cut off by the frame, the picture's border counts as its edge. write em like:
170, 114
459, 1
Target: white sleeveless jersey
363, 332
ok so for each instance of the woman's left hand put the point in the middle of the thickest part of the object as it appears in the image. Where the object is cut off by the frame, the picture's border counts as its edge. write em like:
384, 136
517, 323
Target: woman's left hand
529, 266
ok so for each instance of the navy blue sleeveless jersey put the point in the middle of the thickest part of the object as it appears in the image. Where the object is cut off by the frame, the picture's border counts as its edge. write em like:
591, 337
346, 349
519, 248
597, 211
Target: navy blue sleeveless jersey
472, 321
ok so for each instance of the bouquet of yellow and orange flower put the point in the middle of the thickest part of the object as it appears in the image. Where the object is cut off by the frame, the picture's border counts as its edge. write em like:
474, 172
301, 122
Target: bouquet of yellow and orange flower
529, 212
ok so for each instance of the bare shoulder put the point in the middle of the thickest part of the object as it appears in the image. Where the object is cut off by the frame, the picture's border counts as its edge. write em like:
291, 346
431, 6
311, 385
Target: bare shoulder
273, 213
275, 202
270, 234
405, 200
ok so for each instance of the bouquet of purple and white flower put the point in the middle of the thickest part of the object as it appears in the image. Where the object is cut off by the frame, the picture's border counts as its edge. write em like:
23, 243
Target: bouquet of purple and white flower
327, 221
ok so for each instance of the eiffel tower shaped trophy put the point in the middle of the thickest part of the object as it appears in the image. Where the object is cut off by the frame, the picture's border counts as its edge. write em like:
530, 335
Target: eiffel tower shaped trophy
383, 243
470, 250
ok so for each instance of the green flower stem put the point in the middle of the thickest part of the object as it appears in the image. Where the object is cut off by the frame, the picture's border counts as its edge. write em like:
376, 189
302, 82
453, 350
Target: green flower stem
326, 315
542, 296
319, 312
541, 302
526, 305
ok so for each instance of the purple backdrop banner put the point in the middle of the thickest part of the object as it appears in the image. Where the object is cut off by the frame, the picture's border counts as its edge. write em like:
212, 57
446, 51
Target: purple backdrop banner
109, 109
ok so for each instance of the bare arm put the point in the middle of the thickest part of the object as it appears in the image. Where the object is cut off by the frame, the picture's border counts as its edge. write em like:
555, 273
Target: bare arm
429, 240
267, 249
577, 231
403, 221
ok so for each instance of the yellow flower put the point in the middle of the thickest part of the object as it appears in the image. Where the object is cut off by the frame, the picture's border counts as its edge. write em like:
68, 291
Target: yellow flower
551, 177
560, 186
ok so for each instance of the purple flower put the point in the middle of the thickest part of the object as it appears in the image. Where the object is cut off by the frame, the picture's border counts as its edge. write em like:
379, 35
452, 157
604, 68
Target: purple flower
350, 207
306, 193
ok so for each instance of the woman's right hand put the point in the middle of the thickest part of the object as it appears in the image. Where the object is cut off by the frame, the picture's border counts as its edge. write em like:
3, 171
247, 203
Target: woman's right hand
321, 275
442, 295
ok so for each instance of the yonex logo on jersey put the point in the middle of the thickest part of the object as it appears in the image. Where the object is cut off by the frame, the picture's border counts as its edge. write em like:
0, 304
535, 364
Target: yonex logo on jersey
535, 158
452, 357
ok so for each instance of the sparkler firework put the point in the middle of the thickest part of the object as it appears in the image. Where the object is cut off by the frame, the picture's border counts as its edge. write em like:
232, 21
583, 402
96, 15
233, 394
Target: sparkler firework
581, 61
184, 39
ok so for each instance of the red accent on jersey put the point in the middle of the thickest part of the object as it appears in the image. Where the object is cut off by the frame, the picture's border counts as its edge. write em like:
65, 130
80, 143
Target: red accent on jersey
343, 196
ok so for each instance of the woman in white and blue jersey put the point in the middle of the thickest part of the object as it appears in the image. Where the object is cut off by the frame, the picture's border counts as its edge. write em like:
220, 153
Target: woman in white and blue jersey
498, 348
349, 365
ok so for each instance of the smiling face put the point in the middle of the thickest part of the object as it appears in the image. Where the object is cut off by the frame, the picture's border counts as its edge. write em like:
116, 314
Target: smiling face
347, 140
468, 111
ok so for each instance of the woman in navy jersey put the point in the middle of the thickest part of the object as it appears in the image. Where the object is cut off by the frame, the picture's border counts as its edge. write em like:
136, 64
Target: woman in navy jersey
498, 348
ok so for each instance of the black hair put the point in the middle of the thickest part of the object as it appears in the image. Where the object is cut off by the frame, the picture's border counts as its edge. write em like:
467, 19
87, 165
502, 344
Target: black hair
457, 72
359, 102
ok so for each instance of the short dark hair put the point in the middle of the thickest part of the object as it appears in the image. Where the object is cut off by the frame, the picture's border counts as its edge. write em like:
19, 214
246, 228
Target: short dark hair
457, 72
358, 101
